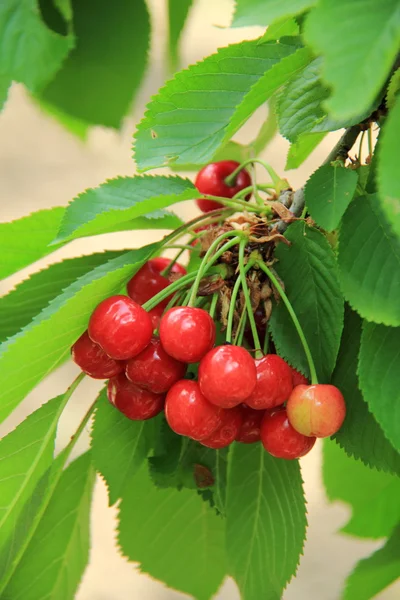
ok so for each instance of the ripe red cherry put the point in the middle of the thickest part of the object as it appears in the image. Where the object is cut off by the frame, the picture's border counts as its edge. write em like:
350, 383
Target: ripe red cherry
227, 375
121, 327
146, 283
250, 429
160, 263
155, 315
93, 360
187, 333
189, 413
211, 180
227, 432
316, 410
153, 369
280, 439
134, 402
298, 378
274, 383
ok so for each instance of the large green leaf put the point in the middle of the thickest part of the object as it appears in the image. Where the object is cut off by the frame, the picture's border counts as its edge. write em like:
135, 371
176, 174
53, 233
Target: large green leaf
58, 553
266, 521
177, 14
5, 83
376, 572
379, 375
98, 80
119, 446
309, 272
388, 179
279, 28
360, 435
369, 262
174, 536
263, 12
122, 200
34, 352
301, 149
372, 495
30, 52
328, 193
203, 106
345, 29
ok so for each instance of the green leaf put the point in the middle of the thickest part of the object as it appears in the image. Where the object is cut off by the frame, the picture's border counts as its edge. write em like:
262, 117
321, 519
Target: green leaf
301, 149
175, 536
203, 106
369, 262
120, 200
309, 271
5, 83
25, 358
266, 521
98, 80
360, 435
216, 461
56, 557
328, 193
177, 15
25, 454
119, 446
264, 12
65, 8
376, 572
282, 27
344, 29
19, 307
380, 376
372, 495
30, 53
393, 89
388, 180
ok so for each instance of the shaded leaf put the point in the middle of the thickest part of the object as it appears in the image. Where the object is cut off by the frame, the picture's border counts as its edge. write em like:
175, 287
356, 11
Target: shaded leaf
281, 27
263, 12
393, 89
301, 149
177, 14
388, 179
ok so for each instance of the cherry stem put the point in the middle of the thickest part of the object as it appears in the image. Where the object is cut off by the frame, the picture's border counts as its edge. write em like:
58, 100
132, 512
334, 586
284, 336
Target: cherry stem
213, 216
232, 304
209, 260
370, 143
247, 299
236, 203
279, 288
213, 305
230, 180
240, 328
173, 287
170, 266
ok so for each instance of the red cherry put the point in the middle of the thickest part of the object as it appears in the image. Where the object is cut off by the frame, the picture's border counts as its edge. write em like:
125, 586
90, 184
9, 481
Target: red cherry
250, 429
153, 369
121, 327
160, 263
316, 410
93, 360
187, 333
146, 283
189, 413
274, 383
227, 375
211, 180
280, 439
134, 402
155, 315
298, 378
227, 432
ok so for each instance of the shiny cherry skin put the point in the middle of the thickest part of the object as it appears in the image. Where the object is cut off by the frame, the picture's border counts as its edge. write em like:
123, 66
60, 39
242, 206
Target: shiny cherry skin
187, 333
280, 439
155, 315
227, 432
134, 402
274, 383
146, 283
160, 263
298, 378
93, 360
153, 369
189, 413
250, 430
121, 327
211, 180
227, 375
316, 410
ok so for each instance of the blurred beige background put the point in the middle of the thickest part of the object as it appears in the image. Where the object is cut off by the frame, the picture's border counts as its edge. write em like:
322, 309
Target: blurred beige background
41, 165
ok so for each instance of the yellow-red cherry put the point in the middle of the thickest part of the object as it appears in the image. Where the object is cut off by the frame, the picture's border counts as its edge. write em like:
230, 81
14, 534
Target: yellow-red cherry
121, 327
134, 402
93, 360
249, 432
227, 432
274, 383
316, 410
187, 333
189, 413
153, 369
227, 375
211, 180
280, 439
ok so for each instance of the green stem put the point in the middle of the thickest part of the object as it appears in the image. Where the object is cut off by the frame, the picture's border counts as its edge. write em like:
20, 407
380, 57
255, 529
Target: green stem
274, 280
242, 271
230, 180
169, 267
236, 204
213, 305
240, 328
173, 287
232, 304
370, 143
